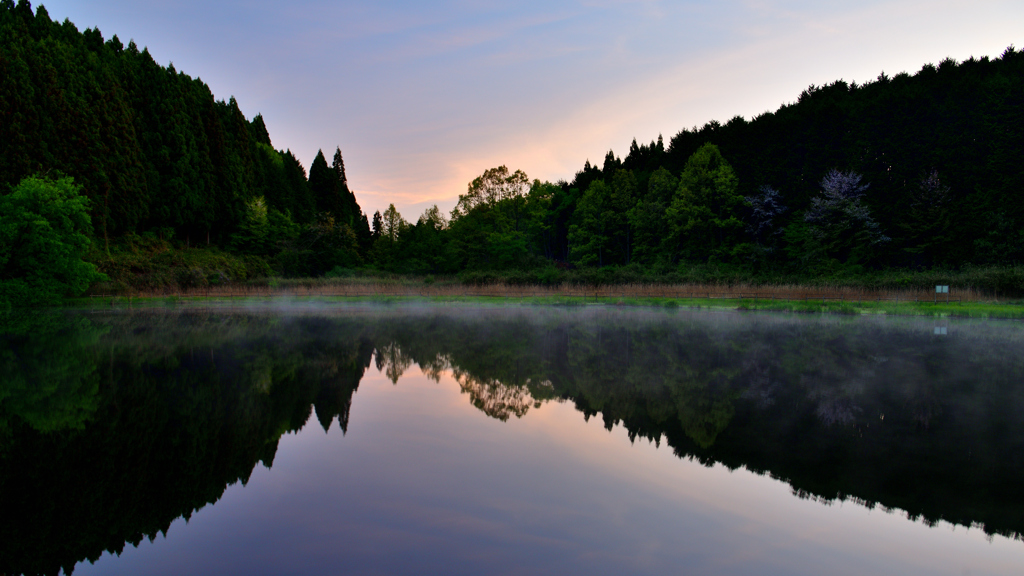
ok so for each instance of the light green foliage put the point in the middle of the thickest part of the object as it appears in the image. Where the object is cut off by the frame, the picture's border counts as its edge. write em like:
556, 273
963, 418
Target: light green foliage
393, 223
44, 232
493, 186
263, 230
433, 217
661, 186
703, 217
386, 249
500, 223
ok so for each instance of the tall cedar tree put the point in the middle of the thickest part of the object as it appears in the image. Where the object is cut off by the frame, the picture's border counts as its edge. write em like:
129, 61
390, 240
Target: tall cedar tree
150, 146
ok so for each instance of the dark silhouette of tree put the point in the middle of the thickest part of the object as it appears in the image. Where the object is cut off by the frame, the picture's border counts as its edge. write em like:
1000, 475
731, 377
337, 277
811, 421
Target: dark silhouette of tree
323, 183
927, 224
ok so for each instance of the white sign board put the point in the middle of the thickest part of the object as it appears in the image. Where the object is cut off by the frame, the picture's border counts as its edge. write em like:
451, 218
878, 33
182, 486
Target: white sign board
942, 289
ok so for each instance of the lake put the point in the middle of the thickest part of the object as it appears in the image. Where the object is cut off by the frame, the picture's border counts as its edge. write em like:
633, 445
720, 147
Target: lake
359, 439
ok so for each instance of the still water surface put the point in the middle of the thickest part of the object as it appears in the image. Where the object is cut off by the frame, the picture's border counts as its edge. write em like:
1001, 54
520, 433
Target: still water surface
356, 440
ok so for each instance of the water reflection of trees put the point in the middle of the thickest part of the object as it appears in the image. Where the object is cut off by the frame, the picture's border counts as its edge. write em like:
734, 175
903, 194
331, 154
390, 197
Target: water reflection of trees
154, 415
876, 412
173, 410
494, 398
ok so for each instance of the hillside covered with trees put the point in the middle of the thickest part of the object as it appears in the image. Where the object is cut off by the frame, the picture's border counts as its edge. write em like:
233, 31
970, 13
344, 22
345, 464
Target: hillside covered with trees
909, 172
180, 190
159, 161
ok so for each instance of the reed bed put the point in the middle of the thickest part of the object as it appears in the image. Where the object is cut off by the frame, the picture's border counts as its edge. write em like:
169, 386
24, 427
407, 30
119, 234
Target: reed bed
351, 287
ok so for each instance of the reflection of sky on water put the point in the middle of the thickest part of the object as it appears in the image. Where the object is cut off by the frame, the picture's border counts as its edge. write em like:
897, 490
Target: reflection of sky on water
425, 483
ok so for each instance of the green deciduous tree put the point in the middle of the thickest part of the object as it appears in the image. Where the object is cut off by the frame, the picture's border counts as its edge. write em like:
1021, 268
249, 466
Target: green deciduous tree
263, 230
704, 216
602, 232
493, 186
44, 233
647, 216
392, 223
589, 235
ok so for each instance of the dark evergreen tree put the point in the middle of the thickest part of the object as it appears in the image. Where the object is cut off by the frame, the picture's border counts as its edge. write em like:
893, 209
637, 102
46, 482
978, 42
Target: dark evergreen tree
323, 183
347, 207
339, 169
259, 130
378, 225
927, 223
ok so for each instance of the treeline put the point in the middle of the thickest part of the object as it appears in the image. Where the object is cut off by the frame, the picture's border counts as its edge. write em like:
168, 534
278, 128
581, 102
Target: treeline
910, 171
156, 154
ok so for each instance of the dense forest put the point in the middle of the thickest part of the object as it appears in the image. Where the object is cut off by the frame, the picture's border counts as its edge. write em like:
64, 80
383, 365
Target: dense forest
910, 172
159, 160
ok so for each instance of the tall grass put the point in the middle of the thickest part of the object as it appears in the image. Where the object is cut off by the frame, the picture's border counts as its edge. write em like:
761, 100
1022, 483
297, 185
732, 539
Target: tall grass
398, 287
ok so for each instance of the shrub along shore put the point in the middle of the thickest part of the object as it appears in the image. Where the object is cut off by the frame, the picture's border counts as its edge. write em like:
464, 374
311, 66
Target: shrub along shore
155, 268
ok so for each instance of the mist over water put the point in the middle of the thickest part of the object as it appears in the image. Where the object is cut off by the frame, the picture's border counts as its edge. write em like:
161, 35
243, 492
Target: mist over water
305, 438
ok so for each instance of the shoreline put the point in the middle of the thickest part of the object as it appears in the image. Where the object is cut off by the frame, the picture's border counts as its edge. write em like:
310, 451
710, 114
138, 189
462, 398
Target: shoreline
807, 305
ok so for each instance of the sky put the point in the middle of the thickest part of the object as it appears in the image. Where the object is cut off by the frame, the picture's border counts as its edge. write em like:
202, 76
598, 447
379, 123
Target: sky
422, 97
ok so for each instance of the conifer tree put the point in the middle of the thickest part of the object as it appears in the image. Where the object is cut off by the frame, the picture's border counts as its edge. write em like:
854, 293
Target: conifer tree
259, 130
378, 225
323, 184
338, 165
347, 210
927, 223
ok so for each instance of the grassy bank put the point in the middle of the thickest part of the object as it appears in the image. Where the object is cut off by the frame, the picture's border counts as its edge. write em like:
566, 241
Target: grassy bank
896, 304
988, 281
399, 286
142, 269
148, 265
